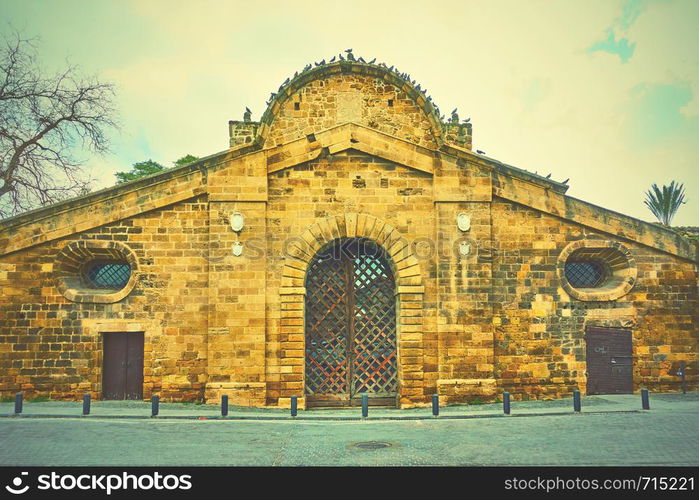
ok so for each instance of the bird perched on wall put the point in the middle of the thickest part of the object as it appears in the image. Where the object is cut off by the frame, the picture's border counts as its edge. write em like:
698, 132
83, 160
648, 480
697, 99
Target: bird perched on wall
350, 56
480, 152
548, 176
454, 116
247, 114
307, 67
341, 58
372, 61
565, 181
467, 120
361, 60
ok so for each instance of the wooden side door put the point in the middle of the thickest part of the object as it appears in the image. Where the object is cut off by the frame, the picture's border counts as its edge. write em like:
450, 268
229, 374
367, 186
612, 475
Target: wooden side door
122, 368
609, 361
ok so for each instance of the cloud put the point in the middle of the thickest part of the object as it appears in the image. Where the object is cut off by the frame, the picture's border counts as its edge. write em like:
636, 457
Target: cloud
611, 45
620, 46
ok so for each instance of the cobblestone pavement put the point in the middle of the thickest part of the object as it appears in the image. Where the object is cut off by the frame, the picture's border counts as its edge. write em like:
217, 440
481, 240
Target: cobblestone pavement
666, 435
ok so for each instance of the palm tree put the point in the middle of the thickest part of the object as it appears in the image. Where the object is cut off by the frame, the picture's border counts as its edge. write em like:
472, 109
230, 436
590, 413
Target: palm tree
665, 203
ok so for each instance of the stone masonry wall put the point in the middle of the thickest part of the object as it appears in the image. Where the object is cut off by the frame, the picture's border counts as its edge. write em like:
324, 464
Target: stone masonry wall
355, 98
539, 329
480, 311
335, 185
52, 347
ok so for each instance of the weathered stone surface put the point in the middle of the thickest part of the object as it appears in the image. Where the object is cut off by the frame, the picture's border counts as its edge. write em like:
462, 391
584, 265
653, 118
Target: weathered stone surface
479, 312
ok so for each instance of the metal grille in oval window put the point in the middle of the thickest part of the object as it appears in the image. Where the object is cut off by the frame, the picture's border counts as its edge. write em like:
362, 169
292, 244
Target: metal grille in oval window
585, 274
109, 275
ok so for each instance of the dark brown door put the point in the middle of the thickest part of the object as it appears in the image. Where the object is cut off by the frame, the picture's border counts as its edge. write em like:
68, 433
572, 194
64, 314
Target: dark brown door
350, 326
122, 375
609, 361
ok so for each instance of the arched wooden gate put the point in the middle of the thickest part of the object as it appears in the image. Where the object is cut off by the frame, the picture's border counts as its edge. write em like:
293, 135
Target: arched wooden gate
350, 327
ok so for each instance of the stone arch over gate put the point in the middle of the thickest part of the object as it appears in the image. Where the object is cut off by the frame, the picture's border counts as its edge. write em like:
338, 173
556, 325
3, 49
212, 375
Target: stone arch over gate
409, 294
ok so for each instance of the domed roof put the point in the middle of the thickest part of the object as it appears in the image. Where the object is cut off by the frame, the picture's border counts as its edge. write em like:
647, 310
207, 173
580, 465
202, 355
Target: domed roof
352, 65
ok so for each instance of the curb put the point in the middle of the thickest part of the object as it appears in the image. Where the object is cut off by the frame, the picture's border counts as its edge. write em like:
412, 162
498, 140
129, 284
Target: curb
310, 418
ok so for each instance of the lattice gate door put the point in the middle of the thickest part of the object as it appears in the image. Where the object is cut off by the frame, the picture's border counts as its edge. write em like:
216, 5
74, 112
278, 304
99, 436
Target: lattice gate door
350, 326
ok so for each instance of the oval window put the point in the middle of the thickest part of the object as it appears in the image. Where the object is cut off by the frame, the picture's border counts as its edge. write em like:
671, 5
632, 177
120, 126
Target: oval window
102, 272
113, 275
596, 270
586, 274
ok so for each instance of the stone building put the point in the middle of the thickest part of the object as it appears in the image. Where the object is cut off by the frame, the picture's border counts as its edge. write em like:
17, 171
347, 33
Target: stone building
349, 242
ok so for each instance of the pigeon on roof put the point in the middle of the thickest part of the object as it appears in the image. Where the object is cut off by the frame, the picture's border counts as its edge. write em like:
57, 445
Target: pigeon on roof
480, 152
372, 61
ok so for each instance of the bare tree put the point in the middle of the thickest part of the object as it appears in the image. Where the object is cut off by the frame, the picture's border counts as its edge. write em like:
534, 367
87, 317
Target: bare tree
46, 122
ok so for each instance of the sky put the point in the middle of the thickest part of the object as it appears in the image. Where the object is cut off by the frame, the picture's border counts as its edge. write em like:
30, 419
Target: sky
602, 92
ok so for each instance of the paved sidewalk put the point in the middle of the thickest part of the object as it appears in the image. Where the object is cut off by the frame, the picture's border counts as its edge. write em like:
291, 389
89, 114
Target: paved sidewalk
142, 409
611, 430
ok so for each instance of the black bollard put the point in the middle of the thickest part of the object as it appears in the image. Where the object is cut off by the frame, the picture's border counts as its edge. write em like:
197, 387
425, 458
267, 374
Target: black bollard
154, 404
645, 403
576, 400
86, 404
365, 405
18, 403
224, 405
294, 406
506, 403
435, 405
